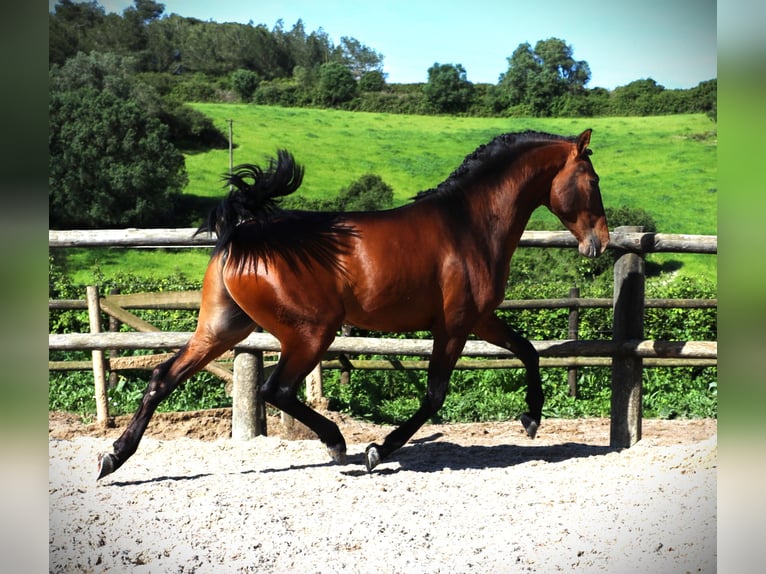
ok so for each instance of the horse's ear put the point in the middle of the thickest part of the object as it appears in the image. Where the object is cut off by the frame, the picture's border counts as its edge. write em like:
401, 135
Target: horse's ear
582, 141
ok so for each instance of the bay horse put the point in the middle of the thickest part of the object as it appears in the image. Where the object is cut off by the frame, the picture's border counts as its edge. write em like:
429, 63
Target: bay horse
439, 263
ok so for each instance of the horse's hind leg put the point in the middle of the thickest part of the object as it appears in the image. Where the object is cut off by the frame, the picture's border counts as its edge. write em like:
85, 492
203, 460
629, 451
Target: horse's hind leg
494, 330
220, 326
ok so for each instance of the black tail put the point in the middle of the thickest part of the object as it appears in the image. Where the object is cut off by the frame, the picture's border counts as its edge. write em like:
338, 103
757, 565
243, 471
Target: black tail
256, 200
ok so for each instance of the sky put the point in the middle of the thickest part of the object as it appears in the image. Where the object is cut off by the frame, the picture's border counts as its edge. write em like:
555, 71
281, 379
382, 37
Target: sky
672, 42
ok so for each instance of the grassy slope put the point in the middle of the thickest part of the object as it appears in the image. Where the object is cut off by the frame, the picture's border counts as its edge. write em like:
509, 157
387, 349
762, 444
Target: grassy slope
666, 165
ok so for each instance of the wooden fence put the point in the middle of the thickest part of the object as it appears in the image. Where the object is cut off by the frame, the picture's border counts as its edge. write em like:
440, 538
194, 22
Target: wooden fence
627, 353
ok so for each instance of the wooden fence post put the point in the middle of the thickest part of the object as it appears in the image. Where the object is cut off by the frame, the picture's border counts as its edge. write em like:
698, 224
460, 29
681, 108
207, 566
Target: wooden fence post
114, 327
627, 372
345, 372
248, 413
314, 389
574, 325
99, 376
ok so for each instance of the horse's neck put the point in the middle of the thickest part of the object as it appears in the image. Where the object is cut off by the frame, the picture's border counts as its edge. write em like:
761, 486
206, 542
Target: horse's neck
514, 201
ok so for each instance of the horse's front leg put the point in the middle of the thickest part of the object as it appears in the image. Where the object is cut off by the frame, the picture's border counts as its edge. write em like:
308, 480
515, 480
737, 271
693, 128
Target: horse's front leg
443, 358
300, 354
494, 330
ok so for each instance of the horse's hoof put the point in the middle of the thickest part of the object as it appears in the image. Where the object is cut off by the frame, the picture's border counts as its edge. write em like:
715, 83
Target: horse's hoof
337, 454
107, 464
530, 425
371, 457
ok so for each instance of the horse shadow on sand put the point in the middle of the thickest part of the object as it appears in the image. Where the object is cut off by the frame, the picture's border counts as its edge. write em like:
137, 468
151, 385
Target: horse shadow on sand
429, 454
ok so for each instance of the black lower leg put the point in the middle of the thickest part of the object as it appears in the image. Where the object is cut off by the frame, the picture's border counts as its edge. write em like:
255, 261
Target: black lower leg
535, 398
283, 396
498, 332
125, 446
431, 404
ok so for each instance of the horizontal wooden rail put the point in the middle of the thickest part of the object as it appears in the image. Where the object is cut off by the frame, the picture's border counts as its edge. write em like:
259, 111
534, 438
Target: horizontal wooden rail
639, 242
148, 362
392, 346
190, 300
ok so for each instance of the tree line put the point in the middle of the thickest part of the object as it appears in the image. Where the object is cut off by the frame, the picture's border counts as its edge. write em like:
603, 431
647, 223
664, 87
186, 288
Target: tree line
119, 86
209, 61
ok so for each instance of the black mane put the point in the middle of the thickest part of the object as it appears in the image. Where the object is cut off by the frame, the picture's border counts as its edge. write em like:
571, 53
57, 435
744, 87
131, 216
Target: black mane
489, 159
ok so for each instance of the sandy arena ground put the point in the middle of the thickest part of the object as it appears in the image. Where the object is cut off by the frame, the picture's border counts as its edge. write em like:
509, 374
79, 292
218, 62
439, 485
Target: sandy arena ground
457, 498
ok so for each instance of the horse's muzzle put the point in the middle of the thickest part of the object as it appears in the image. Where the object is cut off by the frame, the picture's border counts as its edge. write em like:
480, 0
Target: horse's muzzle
591, 246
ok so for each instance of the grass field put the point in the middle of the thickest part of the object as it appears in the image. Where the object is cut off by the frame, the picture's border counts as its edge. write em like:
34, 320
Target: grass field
666, 165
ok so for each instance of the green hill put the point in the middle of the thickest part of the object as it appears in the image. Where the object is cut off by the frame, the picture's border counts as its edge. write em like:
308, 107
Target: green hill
665, 165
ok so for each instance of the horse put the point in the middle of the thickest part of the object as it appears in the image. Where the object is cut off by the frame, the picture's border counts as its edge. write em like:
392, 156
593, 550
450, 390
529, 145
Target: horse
439, 263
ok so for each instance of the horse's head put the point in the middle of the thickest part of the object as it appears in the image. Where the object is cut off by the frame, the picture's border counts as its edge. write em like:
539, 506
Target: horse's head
576, 199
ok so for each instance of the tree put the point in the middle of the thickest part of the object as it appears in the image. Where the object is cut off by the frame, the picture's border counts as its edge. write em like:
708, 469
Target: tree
359, 58
111, 163
368, 193
373, 81
536, 78
336, 84
448, 90
71, 29
638, 98
244, 82
703, 98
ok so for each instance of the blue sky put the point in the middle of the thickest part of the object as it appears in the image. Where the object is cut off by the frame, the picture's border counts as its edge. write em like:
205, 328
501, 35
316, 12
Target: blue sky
670, 41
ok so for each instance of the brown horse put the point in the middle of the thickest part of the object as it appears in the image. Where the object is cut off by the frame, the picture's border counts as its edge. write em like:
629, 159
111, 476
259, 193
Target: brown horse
439, 263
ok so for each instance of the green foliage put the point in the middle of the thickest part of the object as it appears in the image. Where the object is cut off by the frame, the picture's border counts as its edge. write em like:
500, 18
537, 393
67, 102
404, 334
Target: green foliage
336, 84
200, 58
537, 78
372, 82
368, 193
391, 396
110, 164
448, 89
73, 391
244, 83
358, 58
189, 129
615, 217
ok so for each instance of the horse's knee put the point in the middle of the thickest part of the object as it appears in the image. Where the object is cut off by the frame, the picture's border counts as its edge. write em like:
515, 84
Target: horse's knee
435, 397
278, 395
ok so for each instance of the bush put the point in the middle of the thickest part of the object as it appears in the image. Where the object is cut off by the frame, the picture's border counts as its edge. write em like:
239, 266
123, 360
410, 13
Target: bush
244, 82
73, 391
372, 82
391, 397
336, 84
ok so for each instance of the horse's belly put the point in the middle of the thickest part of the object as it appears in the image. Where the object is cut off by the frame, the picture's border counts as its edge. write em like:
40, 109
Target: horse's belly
407, 314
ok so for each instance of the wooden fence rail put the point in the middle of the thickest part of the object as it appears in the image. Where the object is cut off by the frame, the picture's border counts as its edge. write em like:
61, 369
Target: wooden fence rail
386, 346
627, 352
635, 241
